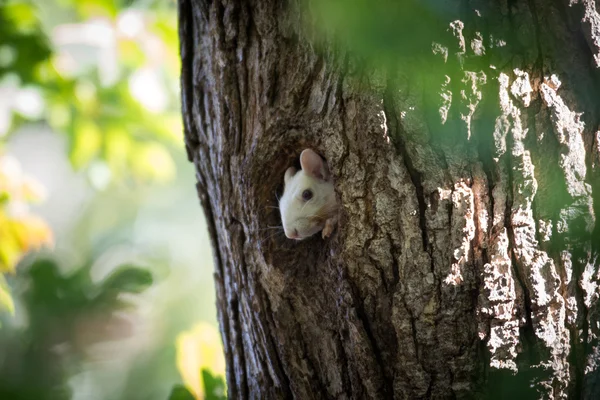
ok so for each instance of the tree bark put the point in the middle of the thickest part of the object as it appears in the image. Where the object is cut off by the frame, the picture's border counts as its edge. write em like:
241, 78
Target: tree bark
466, 161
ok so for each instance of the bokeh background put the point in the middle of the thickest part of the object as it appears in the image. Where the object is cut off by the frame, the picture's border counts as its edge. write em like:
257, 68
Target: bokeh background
106, 287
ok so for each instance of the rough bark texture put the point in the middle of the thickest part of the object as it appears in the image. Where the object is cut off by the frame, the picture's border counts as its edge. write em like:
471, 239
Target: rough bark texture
465, 263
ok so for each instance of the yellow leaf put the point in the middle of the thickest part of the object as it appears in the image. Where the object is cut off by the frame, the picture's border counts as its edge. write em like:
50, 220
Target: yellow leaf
197, 349
153, 161
33, 233
118, 147
86, 143
19, 236
20, 231
10, 253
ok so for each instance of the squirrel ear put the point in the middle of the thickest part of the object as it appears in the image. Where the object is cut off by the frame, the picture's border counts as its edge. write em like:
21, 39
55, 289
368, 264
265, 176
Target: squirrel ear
313, 165
289, 173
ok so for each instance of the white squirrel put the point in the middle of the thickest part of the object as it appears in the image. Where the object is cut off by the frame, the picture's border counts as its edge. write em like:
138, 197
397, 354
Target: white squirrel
308, 204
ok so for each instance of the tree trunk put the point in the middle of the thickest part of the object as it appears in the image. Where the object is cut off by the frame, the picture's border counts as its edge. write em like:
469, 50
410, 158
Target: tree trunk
463, 139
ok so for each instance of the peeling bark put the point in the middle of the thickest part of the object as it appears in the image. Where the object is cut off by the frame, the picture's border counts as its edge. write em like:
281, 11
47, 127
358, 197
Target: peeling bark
465, 263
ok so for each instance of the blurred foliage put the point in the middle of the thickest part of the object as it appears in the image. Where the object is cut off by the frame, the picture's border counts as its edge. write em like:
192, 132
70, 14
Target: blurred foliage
380, 27
127, 119
213, 388
385, 31
113, 128
67, 313
180, 392
23, 46
20, 230
199, 351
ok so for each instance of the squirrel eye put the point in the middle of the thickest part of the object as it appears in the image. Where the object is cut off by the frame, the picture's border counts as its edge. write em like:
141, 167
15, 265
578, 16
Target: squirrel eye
307, 195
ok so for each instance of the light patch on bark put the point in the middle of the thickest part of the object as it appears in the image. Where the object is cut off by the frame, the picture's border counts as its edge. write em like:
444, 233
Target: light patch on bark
503, 121
568, 128
383, 125
438, 49
521, 87
446, 99
463, 231
456, 27
571, 302
477, 44
500, 305
537, 270
471, 96
589, 283
591, 23
545, 230
593, 363
596, 150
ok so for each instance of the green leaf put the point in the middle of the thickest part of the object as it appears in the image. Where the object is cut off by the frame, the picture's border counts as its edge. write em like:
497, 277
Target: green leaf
128, 279
22, 15
180, 392
22, 41
214, 386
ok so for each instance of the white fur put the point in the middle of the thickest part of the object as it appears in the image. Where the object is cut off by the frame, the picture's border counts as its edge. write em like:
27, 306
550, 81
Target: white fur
296, 213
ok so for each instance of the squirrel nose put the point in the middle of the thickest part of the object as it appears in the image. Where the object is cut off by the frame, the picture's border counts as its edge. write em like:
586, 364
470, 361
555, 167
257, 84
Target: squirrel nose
294, 234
